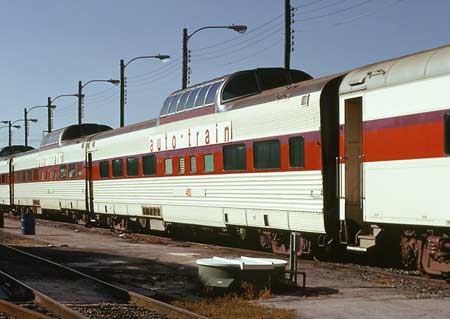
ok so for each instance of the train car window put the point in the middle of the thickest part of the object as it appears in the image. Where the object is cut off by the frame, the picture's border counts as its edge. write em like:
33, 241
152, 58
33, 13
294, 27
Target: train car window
193, 164
43, 174
24, 176
191, 99
52, 176
173, 104
29, 175
200, 101
208, 161
132, 166
149, 165
210, 98
117, 168
273, 78
239, 86
80, 169
181, 166
234, 157
62, 171
168, 166
72, 171
104, 169
297, 151
447, 133
266, 154
35, 174
55, 173
182, 103
165, 106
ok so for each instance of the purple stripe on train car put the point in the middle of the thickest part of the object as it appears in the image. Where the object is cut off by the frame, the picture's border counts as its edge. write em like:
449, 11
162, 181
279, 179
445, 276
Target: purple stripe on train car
405, 120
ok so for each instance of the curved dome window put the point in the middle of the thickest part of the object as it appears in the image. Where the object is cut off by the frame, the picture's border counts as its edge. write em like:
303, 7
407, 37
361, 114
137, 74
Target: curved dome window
191, 99
210, 97
241, 85
165, 106
201, 96
183, 100
173, 104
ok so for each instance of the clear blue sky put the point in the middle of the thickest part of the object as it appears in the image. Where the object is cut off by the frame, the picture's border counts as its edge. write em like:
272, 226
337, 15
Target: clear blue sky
47, 46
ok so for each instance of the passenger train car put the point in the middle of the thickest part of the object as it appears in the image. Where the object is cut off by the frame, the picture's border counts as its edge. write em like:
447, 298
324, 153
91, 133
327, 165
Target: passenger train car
344, 159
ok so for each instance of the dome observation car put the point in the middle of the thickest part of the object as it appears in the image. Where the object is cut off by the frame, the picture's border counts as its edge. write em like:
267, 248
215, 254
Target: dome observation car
229, 88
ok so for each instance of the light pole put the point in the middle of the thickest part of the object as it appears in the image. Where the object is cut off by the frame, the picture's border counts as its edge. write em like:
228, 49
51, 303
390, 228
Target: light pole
50, 107
10, 126
123, 65
81, 86
186, 37
25, 116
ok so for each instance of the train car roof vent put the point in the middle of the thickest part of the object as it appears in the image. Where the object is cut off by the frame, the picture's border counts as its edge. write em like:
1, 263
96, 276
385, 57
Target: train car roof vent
73, 132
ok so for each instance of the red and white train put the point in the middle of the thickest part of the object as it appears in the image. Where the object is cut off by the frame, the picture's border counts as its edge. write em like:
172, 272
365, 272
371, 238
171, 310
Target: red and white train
344, 159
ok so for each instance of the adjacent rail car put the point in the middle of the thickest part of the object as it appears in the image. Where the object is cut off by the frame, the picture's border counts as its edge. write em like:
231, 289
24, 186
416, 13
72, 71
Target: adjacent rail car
348, 159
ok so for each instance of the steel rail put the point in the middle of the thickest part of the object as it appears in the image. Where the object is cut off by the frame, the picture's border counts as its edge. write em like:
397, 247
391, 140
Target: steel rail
20, 312
45, 301
134, 298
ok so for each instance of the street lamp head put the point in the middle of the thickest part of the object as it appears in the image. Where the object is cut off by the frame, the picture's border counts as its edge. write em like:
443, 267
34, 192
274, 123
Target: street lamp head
16, 126
33, 120
5, 122
238, 28
162, 57
53, 107
115, 82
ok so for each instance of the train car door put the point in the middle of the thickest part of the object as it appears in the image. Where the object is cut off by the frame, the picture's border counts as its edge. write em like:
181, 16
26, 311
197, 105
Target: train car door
353, 158
89, 184
11, 183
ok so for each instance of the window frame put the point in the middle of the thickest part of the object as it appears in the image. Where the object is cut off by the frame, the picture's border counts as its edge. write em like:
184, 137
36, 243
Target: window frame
255, 144
231, 146
154, 165
204, 88
241, 96
218, 84
137, 166
187, 94
79, 170
205, 156
302, 159
74, 166
113, 166
181, 159
196, 90
192, 158
177, 98
100, 164
61, 175
168, 160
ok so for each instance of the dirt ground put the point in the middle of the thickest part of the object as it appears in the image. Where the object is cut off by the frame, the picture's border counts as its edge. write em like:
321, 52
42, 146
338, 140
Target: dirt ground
166, 269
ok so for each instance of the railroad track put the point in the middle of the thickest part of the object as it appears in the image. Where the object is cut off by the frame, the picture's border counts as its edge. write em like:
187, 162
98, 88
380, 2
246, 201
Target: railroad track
388, 272
39, 283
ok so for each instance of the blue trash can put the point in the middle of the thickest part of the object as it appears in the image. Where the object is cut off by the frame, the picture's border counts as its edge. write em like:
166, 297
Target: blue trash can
27, 222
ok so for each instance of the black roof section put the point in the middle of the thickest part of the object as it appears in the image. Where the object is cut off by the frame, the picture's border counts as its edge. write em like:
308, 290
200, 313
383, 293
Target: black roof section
73, 132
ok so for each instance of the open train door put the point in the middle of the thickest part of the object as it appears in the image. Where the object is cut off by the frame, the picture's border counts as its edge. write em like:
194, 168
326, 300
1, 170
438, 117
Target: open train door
351, 162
